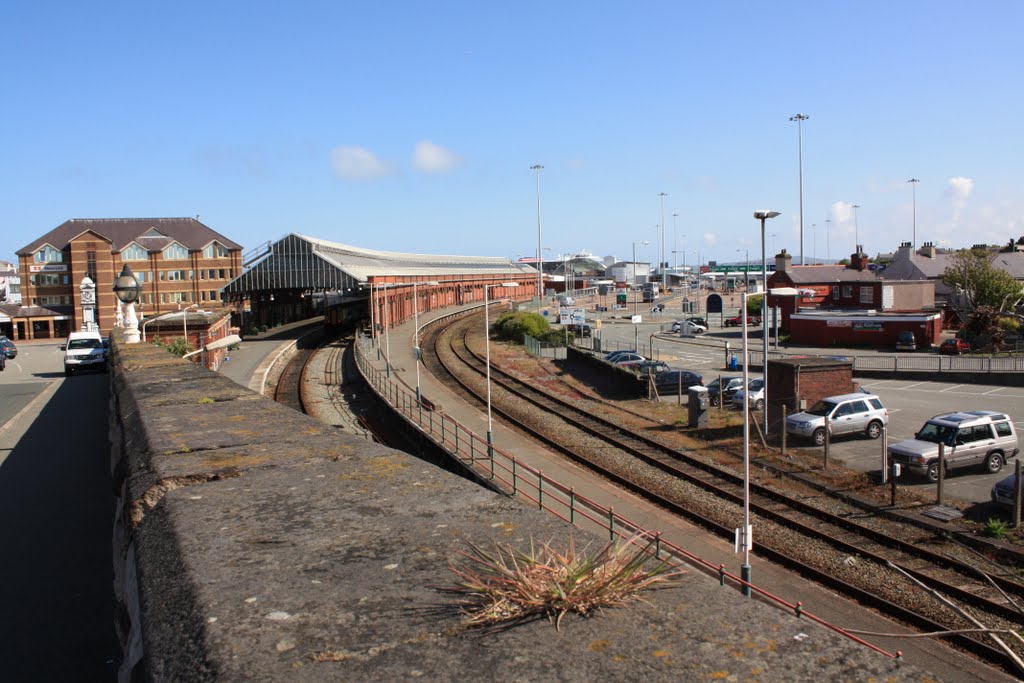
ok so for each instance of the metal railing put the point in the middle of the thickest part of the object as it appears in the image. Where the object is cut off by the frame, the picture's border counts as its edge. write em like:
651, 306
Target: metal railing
544, 349
916, 362
516, 478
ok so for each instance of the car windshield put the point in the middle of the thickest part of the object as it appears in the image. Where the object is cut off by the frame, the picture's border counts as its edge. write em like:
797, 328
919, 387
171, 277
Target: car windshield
84, 344
822, 408
757, 385
935, 433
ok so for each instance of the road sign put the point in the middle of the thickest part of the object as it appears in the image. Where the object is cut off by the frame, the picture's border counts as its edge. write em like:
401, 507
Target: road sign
571, 316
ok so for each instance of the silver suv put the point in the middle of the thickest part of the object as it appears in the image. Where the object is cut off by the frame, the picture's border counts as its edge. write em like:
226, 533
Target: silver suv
847, 414
973, 437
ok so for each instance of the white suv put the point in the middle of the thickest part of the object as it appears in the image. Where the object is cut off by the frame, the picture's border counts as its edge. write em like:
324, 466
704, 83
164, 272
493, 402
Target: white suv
846, 414
972, 437
82, 351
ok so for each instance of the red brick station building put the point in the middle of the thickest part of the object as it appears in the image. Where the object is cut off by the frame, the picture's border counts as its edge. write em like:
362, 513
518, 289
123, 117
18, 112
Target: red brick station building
851, 305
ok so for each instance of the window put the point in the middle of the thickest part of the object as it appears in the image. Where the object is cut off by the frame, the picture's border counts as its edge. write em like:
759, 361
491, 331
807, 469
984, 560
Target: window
191, 276
1003, 429
847, 291
47, 280
175, 251
175, 275
835, 292
134, 253
90, 264
213, 295
140, 276
203, 295
48, 255
174, 297
215, 250
202, 274
213, 274
221, 273
867, 295
163, 275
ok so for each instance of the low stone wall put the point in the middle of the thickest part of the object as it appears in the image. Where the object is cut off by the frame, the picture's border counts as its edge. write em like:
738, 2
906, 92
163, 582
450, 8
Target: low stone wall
255, 543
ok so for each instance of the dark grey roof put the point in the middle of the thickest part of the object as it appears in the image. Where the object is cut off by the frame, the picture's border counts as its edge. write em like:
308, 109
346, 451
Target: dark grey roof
19, 311
120, 232
809, 275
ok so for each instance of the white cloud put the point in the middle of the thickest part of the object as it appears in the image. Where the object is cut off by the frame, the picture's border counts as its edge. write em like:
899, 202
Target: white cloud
430, 158
357, 163
710, 239
842, 212
958, 190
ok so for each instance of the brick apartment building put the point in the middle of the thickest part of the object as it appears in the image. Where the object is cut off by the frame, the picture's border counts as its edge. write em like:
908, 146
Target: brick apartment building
178, 261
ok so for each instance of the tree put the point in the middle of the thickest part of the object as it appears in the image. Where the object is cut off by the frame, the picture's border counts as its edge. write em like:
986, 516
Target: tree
980, 283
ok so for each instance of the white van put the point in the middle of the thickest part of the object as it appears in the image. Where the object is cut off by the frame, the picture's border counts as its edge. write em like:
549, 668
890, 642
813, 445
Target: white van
84, 351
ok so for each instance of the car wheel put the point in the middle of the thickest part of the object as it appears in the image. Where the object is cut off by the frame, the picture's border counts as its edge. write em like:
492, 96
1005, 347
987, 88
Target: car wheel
994, 462
819, 436
933, 472
713, 400
67, 372
874, 430
759, 404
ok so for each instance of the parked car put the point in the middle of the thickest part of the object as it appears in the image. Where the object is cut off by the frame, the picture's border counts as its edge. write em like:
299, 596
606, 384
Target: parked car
1004, 490
737, 320
905, 341
974, 437
688, 328
673, 381
954, 347
652, 367
581, 329
8, 348
612, 355
627, 359
729, 387
847, 414
695, 319
753, 395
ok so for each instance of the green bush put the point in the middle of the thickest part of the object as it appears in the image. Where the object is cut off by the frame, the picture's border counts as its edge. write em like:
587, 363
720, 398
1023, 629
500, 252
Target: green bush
754, 304
179, 347
1009, 325
513, 325
996, 528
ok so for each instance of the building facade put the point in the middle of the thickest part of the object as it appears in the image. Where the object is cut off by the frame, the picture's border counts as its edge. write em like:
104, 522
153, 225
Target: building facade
178, 262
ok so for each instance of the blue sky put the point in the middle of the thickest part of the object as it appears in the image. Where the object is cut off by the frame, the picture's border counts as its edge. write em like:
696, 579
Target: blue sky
412, 126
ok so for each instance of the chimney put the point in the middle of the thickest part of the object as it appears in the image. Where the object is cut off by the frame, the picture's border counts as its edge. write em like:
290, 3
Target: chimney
783, 261
927, 250
904, 252
858, 260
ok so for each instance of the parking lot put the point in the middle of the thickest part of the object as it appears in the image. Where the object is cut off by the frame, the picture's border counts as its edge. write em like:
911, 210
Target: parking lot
909, 401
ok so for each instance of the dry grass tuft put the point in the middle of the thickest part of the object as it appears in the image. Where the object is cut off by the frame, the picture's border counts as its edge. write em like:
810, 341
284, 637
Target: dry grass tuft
509, 585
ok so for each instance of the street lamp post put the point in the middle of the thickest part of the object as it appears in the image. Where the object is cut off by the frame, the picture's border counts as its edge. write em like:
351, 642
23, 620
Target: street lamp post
763, 216
828, 240
744, 535
856, 229
814, 244
636, 304
416, 333
487, 347
675, 242
913, 187
800, 118
661, 262
537, 168
127, 289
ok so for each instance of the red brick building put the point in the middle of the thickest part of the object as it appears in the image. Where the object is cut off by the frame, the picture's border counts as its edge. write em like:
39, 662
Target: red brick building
851, 304
178, 261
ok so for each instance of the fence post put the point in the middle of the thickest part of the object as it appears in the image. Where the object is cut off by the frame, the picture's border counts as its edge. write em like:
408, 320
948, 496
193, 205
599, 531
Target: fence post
785, 412
472, 450
1016, 496
611, 523
657, 545
828, 440
540, 489
514, 461
942, 467
885, 454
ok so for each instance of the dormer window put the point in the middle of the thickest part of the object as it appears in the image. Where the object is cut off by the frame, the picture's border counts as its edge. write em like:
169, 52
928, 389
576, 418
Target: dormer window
48, 255
175, 252
215, 250
134, 253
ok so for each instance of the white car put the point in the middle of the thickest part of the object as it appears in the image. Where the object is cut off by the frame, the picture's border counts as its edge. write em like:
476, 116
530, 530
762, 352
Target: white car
753, 395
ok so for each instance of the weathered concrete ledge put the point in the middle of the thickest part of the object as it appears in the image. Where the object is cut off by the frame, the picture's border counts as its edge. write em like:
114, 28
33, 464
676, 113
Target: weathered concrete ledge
254, 543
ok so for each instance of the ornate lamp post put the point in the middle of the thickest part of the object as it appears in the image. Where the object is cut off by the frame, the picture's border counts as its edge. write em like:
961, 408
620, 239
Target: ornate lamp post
127, 289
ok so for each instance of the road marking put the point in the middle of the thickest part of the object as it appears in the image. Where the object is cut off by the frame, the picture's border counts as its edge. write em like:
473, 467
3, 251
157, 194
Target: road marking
955, 386
43, 396
992, 391
915, 384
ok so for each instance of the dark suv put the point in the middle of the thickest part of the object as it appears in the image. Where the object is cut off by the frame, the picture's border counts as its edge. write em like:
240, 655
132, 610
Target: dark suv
673, 381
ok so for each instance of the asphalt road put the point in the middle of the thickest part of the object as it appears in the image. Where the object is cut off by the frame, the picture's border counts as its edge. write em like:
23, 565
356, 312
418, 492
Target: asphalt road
57, 511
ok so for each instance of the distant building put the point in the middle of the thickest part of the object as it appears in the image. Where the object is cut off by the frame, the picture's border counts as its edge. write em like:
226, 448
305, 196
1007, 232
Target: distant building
10, 283
851, 304
178, 261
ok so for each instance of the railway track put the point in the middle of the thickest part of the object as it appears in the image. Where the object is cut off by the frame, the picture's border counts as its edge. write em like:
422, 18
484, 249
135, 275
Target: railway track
826, 539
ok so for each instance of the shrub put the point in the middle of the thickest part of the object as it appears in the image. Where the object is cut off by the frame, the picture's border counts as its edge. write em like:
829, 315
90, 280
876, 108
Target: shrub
996, 528
508, 585
179, 346
1009, 324
754, 305
513, 325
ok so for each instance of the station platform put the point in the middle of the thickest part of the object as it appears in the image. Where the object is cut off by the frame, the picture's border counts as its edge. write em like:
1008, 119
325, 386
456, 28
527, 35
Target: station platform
823, 603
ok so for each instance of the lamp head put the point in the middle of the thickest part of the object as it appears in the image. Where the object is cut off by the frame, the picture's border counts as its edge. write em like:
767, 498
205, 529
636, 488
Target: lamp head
762, 215
126, 286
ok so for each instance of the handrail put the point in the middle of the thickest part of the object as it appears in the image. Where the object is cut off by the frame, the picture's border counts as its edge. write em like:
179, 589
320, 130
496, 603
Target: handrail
516, 478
